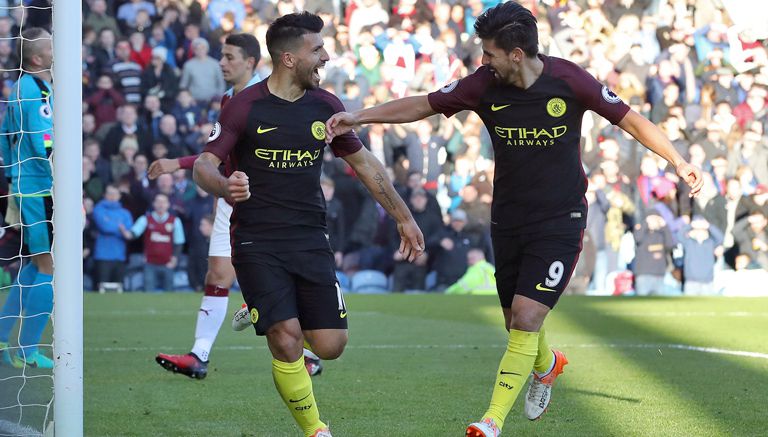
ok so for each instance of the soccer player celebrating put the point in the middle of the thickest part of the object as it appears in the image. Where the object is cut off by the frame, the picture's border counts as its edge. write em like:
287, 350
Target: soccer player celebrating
274, 132
240, 56
532, 106
26, 142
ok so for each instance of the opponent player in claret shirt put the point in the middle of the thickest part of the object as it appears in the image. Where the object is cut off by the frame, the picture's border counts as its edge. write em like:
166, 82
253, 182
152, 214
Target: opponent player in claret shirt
274, 133
532, 106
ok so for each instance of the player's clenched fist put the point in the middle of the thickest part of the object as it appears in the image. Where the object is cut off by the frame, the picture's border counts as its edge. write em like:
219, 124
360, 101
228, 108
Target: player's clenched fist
162, 166
339, 124
237, 187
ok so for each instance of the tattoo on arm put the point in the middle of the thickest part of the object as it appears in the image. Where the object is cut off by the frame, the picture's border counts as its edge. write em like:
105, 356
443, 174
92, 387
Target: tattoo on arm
384, 197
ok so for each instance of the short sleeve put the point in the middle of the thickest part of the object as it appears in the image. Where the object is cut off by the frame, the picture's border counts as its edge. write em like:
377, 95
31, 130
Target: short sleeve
596, 96
461, 94
229, 128
348, 143
187, 162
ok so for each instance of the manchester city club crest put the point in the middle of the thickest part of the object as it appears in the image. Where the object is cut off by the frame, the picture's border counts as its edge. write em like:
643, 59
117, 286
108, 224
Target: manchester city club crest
318, 130
556, 107
254, 315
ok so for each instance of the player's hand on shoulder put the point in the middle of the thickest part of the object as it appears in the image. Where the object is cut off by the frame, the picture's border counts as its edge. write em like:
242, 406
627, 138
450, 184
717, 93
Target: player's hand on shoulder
339, 124
237, 187
692, 176
162, 166
411, 240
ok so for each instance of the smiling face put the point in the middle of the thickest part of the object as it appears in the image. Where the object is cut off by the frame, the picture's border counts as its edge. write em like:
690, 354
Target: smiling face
309, 59
504, 66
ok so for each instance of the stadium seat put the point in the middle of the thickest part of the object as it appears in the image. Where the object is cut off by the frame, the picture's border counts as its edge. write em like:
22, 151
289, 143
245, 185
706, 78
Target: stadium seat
430, 282
343, 279
180, 281
134, 281
369, 282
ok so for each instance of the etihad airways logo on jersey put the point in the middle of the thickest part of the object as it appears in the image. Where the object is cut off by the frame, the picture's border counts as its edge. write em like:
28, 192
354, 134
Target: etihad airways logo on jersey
523, 136
286, 158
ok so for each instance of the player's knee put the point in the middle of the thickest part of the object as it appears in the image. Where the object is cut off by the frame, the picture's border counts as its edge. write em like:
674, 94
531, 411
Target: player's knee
526, 321
286, 343
330, 349
330, 352
220, 273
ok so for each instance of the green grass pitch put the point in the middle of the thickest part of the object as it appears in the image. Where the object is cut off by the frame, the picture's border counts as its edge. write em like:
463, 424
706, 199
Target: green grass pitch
424, 365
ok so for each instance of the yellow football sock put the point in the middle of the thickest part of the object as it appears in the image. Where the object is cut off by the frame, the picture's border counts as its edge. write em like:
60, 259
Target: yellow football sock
295, 387
515, 366
545, 358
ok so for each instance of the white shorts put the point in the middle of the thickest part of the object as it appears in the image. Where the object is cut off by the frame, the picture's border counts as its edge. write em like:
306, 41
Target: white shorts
220, 245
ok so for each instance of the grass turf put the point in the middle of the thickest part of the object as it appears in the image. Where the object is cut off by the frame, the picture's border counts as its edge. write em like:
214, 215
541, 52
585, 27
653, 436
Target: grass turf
424, 365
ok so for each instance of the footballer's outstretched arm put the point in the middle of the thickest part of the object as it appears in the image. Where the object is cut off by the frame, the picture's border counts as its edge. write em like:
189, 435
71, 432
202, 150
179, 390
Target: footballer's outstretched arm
650, 136
166, 165
403, 110
206, 175
373, 175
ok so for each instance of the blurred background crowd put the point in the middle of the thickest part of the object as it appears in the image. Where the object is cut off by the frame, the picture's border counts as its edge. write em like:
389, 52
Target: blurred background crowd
696, 68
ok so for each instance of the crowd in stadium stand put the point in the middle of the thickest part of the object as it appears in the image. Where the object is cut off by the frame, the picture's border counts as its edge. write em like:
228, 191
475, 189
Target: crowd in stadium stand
152, 86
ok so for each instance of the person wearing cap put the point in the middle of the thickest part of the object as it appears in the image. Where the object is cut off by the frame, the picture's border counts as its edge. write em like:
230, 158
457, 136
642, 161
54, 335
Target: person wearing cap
702, 246
751, 235
412, 276
160, 79
450, 256
758, 201
653, 242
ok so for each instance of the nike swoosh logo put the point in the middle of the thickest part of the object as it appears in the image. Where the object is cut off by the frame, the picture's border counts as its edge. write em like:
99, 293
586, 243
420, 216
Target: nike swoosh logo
508, 373
543, 288
343, 314
259, 130
495, 108
291, 400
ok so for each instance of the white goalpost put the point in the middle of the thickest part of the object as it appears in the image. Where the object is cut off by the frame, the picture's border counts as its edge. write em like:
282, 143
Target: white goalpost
28, 394
68, 219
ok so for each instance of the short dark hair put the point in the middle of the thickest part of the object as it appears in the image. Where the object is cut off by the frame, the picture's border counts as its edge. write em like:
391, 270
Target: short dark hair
248, 45
509, 25
158, 194
283, 34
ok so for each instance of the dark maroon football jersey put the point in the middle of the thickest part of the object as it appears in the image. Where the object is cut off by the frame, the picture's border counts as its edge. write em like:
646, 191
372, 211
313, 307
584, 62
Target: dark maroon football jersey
279, 145
539, 180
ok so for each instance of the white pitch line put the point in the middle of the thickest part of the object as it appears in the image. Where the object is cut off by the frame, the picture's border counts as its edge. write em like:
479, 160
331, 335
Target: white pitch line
677, 313
686, 347
183, 313
187, 312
